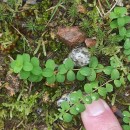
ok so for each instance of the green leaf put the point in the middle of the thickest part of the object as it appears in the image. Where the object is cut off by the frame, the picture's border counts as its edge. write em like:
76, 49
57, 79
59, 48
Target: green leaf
74, 97
128, 33
19, 58
127, 44
107, 70
85, 71
27, 66
13, 63
80, 107
73, 110
88, 88
102, 92
114, 24
92, 76
121, 22
127, 19
115, 62
26, 57
128, 77
50, 64
51, 80
79, 76
62, 69
79, 93
69, 64
36, 70
70, 75
100, 68
60, 78
67, 117
126, 127
94, 84
127, 52
126, 113
115, 74
93, 62
122, 31
120, 11
117, 83
47, 72
87, 100
40, 77
35, 61
18, 64
65, 105
33, 78
109, 87
24, 74
113, 16
94, 96
126, 119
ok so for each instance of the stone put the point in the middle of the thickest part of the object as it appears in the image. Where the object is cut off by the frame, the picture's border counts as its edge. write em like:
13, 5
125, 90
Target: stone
90, 42
71, 35
120, 2
80, 56
31, 2
64, 97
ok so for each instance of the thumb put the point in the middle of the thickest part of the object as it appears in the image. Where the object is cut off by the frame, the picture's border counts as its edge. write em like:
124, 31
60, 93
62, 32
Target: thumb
98, 116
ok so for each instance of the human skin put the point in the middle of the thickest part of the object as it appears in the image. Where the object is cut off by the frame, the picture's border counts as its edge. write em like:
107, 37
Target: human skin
98, 116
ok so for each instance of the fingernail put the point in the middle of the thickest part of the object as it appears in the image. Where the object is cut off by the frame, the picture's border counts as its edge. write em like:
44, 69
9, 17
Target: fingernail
96, 108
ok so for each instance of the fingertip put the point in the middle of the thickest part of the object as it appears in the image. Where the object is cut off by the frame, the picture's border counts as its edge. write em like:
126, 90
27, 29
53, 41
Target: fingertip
98, 116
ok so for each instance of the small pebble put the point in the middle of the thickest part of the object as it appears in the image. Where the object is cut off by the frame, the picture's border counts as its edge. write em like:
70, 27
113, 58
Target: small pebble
31, 2
71, 36
80, 56
90, 42
65, 97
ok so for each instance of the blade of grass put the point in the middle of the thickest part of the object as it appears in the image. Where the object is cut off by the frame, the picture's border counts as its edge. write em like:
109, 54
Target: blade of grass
109, 5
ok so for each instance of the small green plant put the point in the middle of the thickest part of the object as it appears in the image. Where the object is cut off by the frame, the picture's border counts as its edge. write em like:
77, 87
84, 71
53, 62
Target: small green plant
22, 107
73, 11
126, 119
85, 24
33, 26
112, 70
7, 39
120, 20
127, 48
75, 105
27, 68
